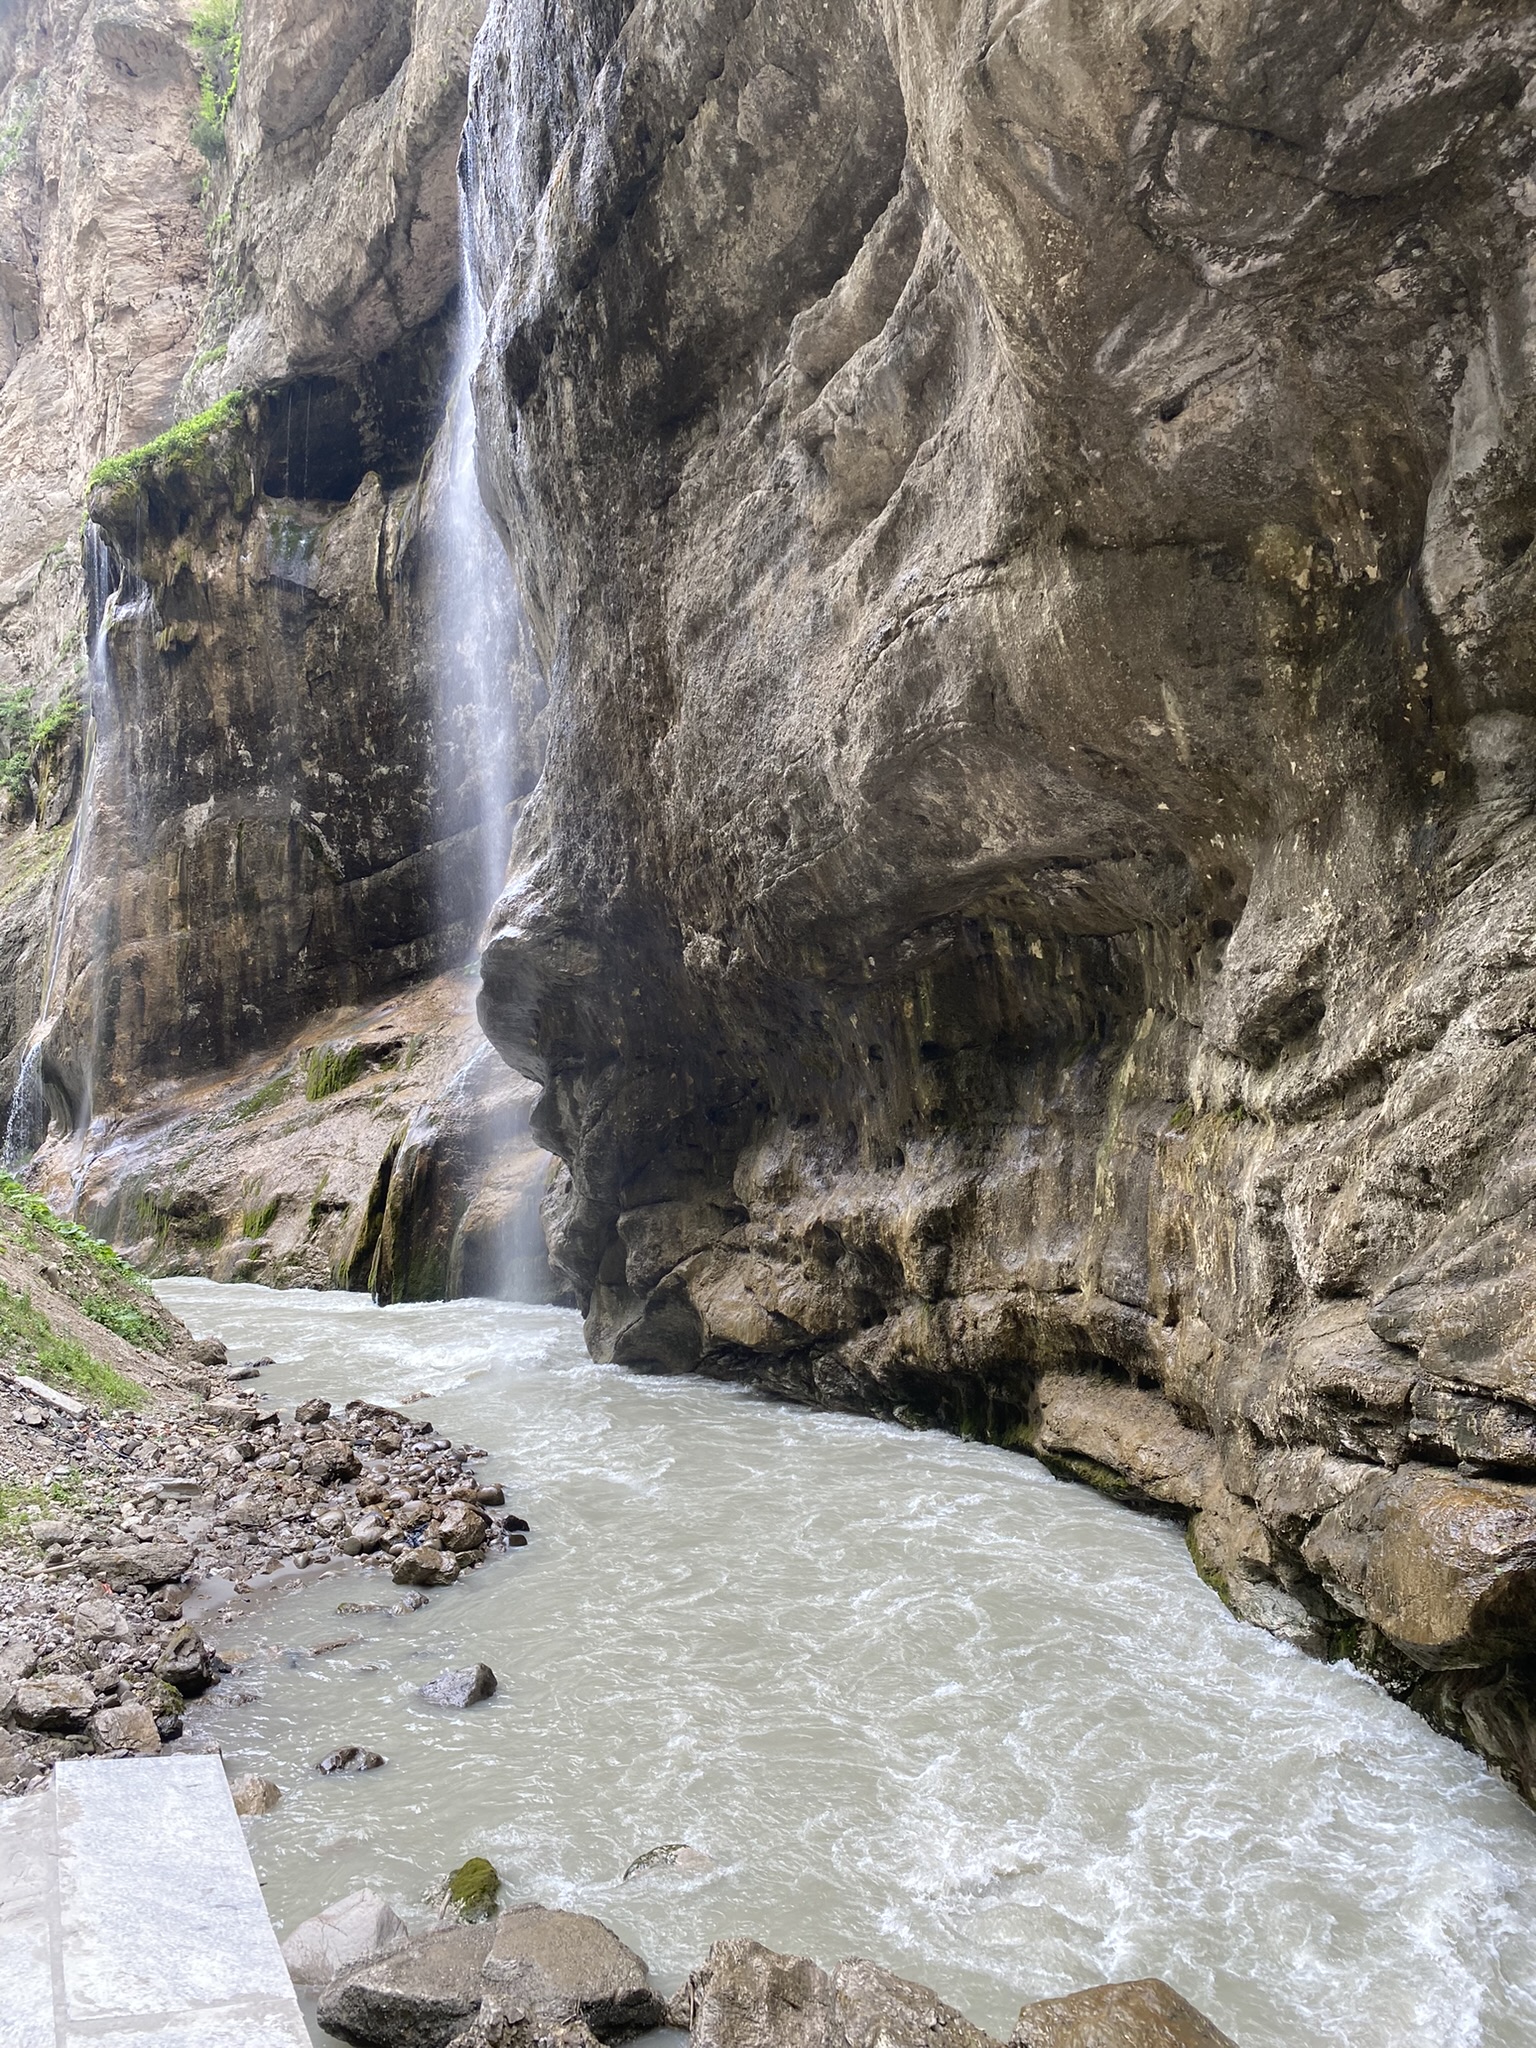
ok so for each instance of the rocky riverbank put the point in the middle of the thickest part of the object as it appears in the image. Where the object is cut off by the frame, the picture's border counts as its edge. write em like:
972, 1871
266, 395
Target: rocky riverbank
536, 1976
123, 1526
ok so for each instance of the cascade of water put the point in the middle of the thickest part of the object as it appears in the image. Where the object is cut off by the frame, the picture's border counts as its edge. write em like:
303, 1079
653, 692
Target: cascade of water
27, 1118
479, 624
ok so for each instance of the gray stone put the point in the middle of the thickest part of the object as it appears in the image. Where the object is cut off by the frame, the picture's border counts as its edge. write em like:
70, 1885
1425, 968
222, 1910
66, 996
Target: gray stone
463, 1527
186, 1662
307, 1412
425, 1567
54, 1706
143, 1564
253, 1796
355, 1930
417, 1997
460, 1688
351, 1758
746, 1996
130, 1728
1144, 2014
567, 1966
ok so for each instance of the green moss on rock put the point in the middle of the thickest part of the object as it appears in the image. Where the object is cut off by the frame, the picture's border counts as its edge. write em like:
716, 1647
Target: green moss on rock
474, 1888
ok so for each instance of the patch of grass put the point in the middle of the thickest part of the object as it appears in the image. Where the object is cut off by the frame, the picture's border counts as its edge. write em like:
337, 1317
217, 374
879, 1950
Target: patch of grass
267, 1096
17, 128
126, 1319
1182, 1117
28, 1335
34, 1210
257, 1221
181, 446
216, 52
330, 1068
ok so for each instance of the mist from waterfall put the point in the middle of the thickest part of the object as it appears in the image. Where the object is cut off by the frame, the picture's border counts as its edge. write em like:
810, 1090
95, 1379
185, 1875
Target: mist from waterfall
478, 624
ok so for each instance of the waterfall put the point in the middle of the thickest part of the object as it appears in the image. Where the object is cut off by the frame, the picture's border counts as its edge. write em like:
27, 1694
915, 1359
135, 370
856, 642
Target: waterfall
478, 618
27, 1120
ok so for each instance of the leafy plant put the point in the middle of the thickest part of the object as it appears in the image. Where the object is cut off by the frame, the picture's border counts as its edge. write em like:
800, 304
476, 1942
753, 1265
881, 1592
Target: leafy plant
126, 1319
35, 1210
216, 52
60, 1360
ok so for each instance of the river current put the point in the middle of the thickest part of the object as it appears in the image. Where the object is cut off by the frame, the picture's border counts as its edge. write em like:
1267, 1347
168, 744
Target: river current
915, 1699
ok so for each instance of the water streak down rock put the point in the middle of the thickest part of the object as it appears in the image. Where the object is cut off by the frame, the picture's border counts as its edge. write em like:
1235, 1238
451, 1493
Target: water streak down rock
1029, 922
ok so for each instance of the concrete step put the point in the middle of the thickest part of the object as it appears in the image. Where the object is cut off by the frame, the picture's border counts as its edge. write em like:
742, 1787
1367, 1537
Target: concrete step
130, 1915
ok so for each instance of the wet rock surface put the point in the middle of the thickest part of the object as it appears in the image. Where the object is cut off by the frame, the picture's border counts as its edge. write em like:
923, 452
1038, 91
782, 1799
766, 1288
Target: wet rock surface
1144, 2014
1024, 927
416, 1998
460, 1688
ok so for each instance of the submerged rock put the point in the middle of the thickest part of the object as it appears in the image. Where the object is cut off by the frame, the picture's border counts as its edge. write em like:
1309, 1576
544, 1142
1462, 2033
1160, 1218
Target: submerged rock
460, 1688
355, 1930
1144, 2014
349, 1758
670, 1856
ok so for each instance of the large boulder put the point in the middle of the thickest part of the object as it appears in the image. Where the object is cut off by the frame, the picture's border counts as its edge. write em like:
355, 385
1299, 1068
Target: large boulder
355, 1930
1145, 2014
460, 1688
748, 1996
54, 1706
138, 1564
417, 1997
564, 1967
126, 1730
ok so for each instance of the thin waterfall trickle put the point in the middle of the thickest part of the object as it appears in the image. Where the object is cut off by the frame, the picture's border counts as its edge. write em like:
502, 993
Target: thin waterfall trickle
478, 618
28, 1116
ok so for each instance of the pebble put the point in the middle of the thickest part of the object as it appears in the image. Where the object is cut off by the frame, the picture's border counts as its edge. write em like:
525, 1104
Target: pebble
99, 1582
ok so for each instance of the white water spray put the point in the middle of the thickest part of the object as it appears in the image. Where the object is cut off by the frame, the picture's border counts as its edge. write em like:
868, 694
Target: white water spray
27, 1119
479, 627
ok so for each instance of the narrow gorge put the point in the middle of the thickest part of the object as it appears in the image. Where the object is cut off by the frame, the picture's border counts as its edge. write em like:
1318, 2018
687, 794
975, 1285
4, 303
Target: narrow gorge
850, 687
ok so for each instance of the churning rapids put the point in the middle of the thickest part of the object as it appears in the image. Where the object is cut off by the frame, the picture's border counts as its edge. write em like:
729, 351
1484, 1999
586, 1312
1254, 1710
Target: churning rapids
918, 1700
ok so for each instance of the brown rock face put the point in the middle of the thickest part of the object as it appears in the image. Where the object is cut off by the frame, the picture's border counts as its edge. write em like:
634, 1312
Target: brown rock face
1145, 2014
1027, 919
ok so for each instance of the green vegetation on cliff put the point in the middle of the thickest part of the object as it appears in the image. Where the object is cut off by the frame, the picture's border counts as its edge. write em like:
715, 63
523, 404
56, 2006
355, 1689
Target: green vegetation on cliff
216, 51
182, 447
37, 1216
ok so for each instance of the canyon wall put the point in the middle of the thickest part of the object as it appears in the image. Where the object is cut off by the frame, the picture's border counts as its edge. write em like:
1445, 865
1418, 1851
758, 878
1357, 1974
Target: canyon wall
268, 813
1028, 923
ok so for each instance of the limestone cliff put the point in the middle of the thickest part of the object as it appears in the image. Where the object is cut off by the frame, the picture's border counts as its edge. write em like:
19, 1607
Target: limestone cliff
1029, 920
254, 815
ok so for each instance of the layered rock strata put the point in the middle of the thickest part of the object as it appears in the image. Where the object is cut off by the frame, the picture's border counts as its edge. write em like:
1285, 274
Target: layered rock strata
1028, 921
258, 798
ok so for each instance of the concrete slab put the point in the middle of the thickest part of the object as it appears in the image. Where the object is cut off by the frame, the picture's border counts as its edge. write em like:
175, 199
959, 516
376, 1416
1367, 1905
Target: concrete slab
28, 1855
163, 1936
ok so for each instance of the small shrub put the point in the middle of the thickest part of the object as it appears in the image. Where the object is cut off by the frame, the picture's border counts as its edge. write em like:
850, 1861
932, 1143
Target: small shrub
126, 1319
330, 1068
35, 1210
216, 52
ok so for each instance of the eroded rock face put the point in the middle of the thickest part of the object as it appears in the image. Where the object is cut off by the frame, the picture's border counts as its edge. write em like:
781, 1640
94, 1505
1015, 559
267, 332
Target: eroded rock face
1027, 920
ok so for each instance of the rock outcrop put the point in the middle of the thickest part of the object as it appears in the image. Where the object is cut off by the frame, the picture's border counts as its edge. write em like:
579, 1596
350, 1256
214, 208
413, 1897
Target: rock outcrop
259, 801
1028, 921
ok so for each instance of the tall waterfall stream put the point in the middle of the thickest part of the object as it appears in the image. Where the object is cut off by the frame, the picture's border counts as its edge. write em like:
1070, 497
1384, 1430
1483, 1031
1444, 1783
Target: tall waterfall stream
916, 1699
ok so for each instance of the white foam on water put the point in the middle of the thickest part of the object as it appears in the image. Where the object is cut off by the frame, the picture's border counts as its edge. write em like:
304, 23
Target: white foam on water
918, 1700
